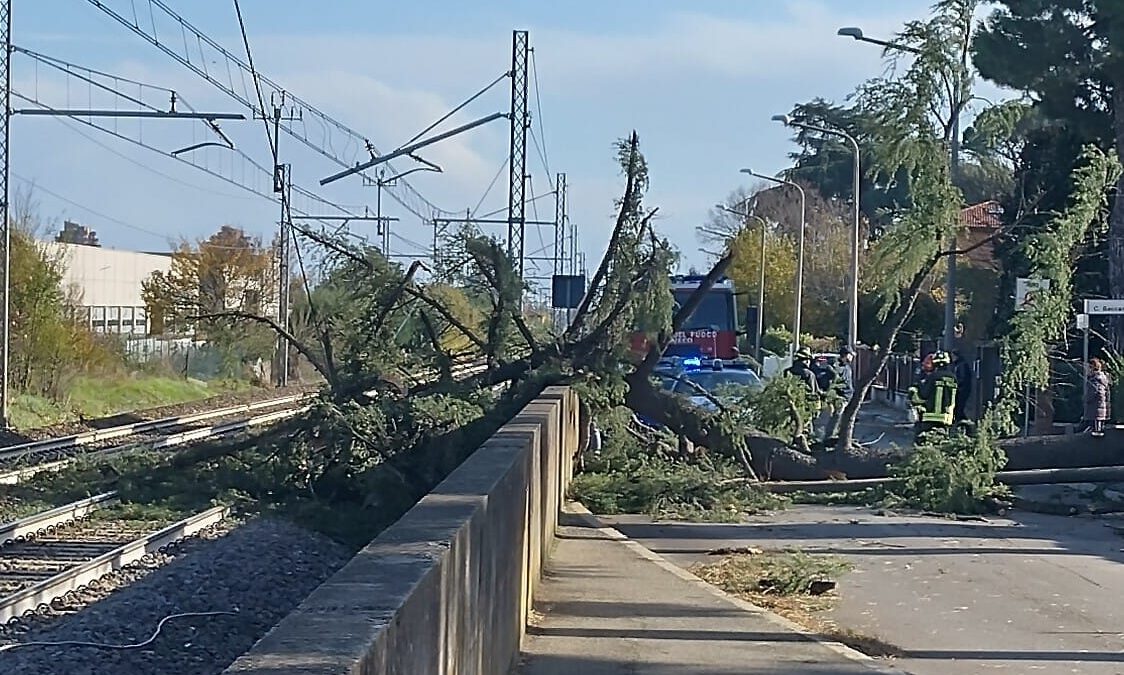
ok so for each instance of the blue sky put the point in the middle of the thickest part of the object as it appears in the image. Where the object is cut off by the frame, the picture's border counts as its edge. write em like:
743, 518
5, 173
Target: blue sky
699, 81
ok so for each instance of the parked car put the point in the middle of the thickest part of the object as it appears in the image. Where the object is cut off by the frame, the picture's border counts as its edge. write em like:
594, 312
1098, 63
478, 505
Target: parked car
724, 383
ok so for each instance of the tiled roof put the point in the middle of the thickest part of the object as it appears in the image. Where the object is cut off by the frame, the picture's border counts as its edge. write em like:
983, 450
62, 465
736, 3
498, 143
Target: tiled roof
985, 214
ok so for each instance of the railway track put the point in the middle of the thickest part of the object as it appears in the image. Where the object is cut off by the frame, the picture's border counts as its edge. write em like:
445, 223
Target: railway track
31, 467
98, 438
47, 555
20, 462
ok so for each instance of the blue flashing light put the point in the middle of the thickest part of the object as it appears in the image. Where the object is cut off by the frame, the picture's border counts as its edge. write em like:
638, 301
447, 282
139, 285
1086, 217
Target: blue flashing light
692, 362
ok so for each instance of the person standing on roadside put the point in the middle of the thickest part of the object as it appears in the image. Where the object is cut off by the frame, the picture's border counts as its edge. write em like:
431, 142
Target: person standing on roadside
846, 372
962, 369
844, 387
1098, 392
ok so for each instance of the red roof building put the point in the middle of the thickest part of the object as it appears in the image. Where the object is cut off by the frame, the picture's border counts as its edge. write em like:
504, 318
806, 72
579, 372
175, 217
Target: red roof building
979, 223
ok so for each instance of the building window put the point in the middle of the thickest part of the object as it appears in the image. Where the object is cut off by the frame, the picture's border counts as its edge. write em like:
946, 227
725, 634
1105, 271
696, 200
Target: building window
98, 322
113, 320
126, 319
251, 301
140, 323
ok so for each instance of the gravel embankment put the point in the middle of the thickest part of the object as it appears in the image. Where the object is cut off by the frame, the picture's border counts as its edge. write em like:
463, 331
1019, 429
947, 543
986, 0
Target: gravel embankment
261, 569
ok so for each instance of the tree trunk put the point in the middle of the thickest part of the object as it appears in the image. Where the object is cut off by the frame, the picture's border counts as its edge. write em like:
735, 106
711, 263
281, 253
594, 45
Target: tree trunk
1116, 224
862, 388
1036, 452
769, 456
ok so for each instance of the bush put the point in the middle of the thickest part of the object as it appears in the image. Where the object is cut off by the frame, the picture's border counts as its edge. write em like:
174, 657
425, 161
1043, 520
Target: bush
778, 338
952, 473
630, 476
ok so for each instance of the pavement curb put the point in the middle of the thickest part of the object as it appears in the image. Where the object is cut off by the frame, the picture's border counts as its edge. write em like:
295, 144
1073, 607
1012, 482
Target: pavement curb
578, 509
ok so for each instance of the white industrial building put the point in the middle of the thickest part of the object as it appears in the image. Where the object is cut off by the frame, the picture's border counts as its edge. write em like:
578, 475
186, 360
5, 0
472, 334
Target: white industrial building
106, 284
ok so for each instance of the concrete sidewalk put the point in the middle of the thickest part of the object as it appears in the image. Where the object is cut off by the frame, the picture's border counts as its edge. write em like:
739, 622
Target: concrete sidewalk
611, 607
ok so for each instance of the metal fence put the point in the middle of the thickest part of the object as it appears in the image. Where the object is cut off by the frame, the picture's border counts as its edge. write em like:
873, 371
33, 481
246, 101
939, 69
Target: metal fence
186, 356
902, 371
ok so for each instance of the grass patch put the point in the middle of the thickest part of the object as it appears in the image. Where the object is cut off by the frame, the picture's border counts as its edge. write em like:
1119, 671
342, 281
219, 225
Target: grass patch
14, 508
775, 573
101, 397
98, 398
798, 586
29, 412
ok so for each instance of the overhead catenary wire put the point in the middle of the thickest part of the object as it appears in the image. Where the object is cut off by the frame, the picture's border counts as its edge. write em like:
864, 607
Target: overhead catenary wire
457, 109
87, 209
538, 118
410, 242
75, 70
495, 179
498, 211
63, 121
70, 68
265, 173
257, 83
404, 193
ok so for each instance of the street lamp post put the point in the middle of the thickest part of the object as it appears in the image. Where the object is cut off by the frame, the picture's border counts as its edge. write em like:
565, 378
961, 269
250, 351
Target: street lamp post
954, 167
761, 280
799, 256
853, 310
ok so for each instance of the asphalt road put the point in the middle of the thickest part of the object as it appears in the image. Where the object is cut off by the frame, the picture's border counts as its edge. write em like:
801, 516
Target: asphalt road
1029, 594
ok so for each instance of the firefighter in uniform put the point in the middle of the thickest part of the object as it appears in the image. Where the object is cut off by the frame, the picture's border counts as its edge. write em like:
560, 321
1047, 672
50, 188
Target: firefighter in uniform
801, 369
934, 397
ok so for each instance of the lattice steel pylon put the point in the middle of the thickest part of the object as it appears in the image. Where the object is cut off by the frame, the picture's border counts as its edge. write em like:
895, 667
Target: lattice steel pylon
517, 176
5, 146
561, 219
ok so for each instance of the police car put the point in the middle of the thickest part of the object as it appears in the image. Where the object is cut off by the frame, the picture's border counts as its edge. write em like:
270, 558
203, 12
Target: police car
702, 381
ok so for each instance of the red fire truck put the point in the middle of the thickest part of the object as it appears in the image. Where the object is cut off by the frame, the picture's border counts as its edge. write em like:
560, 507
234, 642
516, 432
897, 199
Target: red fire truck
712, 327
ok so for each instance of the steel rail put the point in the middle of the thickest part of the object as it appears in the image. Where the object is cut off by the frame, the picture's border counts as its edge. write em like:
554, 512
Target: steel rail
19, 475
135, 428
44, 520
43, 592
16, 476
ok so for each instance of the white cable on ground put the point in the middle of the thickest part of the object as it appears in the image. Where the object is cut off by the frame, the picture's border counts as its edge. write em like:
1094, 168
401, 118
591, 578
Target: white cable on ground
99, 645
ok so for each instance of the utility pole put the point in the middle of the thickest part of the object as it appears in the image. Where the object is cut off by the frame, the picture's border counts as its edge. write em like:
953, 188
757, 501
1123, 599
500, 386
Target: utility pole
950, 291
520, 122
562, 318
5, 161
284, 180
382, 228
573, 262
282, 186
560, 219
5, 188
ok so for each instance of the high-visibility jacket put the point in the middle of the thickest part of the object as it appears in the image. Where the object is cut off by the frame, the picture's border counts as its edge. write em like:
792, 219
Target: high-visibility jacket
935, 397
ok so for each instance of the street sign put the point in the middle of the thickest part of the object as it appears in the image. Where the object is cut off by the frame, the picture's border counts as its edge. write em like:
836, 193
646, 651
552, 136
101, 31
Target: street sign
1104, 307
1082, 321
1025, 290
567, 291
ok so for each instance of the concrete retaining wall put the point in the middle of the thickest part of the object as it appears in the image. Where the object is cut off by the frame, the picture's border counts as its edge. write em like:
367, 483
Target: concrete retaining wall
446, 589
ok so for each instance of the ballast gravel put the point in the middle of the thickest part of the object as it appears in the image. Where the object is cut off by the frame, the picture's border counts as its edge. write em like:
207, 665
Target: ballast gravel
259, 571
